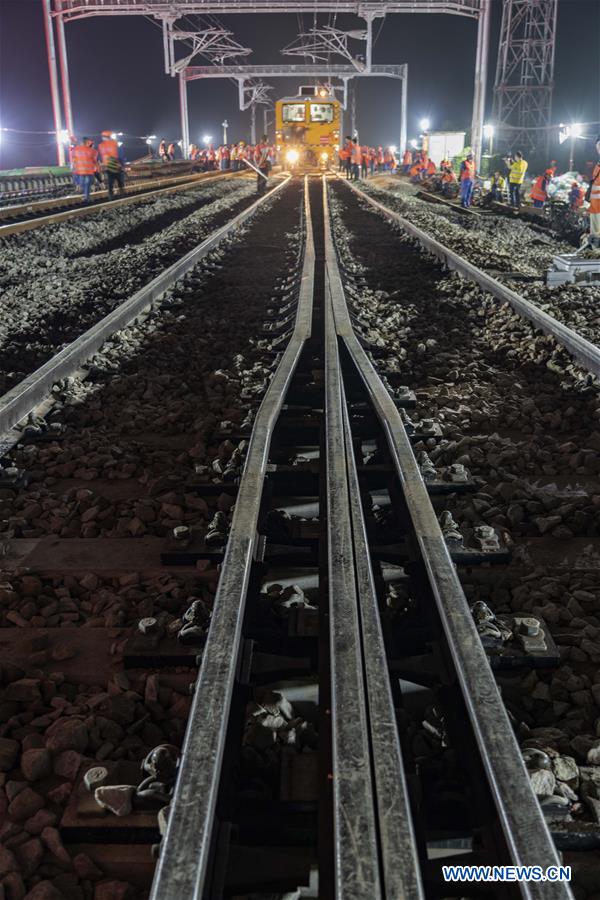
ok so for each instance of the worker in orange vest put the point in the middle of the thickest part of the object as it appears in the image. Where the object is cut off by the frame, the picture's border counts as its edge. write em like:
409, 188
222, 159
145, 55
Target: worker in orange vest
467, 181
448, 179
356, 160
348, 145
576, 196
593, 198
171, 151
539, 189
343, 155
262, 154
407, 161
85, 165
112, 163
430, 168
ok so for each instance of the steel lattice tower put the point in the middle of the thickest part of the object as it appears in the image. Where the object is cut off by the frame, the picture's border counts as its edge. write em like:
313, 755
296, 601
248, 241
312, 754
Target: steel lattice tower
525, 73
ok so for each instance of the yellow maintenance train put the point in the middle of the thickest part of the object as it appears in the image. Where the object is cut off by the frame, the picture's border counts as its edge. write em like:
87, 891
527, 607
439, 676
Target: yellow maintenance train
307, 129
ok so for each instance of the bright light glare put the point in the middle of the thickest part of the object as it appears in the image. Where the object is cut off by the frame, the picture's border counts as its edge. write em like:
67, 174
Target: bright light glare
393, 148
425, 123
576, 129
148, 140
64, 136
413, 143
119, 143
206, 139
119, 134
292, 156
114, 135
323, 155
488, 131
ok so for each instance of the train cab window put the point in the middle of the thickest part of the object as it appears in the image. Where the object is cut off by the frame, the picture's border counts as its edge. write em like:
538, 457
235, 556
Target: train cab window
293, 112
321, 112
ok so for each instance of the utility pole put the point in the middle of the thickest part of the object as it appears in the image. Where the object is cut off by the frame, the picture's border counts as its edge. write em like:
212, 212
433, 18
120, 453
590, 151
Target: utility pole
353, 110
253, 123
225, 127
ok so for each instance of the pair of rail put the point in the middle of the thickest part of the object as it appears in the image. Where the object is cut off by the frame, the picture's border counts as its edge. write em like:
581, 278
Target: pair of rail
377, 841
377, 851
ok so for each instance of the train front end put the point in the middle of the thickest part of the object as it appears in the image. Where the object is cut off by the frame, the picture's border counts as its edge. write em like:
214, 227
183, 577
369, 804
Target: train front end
308, 130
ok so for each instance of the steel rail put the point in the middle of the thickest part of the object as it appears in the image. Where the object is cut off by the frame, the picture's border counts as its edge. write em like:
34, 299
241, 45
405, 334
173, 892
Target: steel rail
182, 867
136, 187
395, 820
354, 602
77, 212
523, 826
582, 350
357, 875
25, 396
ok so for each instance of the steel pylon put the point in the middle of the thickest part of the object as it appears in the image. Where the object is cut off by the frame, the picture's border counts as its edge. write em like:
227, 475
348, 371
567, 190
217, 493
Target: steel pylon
525, 74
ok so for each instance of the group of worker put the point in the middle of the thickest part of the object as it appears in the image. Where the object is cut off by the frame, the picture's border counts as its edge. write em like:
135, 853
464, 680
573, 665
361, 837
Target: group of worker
228, 157
90, 164
358, 161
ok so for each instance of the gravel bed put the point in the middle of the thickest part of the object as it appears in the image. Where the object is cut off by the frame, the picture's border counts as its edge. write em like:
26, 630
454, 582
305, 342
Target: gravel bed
525, 422
152, 414
502, 246
61, 279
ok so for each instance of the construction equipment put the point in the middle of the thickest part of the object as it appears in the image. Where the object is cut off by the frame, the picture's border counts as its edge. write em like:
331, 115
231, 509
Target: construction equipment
572, 268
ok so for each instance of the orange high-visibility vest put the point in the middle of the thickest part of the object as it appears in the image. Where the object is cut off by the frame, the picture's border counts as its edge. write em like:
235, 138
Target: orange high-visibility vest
85, 160
538, 191
356, 154
468, 172
407, 158
595, 192
107, 148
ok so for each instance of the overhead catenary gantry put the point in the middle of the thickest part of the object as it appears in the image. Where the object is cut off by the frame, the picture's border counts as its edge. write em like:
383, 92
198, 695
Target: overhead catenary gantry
169, 11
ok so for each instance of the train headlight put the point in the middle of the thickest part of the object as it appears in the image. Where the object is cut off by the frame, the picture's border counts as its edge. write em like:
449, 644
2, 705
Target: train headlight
324, 155
292, 156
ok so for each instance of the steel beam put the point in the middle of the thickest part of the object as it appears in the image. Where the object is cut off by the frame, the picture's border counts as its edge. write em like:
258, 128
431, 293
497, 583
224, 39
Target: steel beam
53, 72
481, 65
403, 116
78, 9
185, 120
64, 74
299, 70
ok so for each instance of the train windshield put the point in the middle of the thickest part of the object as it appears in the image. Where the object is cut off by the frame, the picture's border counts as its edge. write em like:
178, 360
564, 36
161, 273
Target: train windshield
293, 112
321, 112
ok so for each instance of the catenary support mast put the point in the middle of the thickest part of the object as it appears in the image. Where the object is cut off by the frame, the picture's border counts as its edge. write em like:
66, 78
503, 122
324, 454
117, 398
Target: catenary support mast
54, 91
481, 67
183, 107
64, 73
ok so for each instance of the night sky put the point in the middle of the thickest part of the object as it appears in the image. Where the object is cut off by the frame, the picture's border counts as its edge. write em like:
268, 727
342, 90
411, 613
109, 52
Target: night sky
117, 77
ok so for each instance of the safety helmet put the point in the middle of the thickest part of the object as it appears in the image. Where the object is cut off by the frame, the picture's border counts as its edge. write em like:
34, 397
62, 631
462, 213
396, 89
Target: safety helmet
107, 134
549, 172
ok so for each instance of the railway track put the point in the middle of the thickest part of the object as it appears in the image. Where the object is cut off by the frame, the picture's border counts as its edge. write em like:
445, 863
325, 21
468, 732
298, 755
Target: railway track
58, 282
29, 216
341, 643
115, 697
